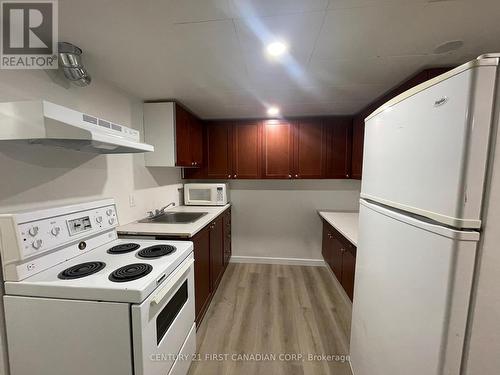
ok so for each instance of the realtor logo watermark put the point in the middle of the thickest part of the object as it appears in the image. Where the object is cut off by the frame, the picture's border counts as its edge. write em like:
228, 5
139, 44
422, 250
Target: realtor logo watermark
29, 34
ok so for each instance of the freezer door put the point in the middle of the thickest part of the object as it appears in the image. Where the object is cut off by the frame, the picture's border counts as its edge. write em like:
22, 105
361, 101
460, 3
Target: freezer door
427, 153
411, 295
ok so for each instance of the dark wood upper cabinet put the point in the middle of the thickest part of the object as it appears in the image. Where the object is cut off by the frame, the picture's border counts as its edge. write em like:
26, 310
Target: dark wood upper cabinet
339, 146
196, 139
218, 155
176, 134
277, 149
358, 137
246, 154
183, 137
309, 149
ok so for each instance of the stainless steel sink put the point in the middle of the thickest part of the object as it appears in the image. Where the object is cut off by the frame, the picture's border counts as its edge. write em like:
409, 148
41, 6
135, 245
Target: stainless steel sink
174, 218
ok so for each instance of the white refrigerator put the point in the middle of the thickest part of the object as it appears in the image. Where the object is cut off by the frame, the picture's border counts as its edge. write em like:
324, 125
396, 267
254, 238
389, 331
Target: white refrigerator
426, 172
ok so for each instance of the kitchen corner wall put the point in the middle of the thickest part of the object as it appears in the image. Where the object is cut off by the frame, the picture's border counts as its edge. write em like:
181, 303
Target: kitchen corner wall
37, 176
278, 218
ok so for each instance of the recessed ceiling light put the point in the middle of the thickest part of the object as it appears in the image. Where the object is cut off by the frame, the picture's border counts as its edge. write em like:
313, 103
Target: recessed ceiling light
276, 49
273, 111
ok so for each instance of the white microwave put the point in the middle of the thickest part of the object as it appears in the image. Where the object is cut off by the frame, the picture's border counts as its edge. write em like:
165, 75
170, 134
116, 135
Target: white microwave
206, 194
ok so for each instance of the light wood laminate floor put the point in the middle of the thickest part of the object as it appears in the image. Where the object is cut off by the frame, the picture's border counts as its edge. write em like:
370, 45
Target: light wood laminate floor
270, 310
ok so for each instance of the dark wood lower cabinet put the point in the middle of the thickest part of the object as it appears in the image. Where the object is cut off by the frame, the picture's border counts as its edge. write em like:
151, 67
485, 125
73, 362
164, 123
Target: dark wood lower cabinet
212, 251
216, 252
226, 219
340, 255
202, 287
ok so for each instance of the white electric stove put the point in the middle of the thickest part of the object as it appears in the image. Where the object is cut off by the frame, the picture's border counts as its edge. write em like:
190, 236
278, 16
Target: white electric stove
79, 300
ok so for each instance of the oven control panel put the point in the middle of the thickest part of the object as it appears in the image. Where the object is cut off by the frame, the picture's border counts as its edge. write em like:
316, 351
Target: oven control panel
43, 235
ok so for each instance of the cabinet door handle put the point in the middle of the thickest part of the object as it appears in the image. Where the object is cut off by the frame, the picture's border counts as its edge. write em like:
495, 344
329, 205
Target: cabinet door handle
234, 176
296, 176
289, 176
342, 250
228, 176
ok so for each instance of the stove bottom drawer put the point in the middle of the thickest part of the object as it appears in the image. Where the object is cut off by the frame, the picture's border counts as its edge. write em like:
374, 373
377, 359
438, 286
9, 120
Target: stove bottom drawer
185, 357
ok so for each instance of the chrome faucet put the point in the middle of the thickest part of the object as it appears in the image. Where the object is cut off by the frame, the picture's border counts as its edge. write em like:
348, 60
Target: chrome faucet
158, 212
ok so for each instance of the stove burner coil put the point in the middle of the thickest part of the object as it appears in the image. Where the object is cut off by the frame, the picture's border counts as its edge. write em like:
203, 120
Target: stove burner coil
130, 272
156, 251
123, 248
81, 270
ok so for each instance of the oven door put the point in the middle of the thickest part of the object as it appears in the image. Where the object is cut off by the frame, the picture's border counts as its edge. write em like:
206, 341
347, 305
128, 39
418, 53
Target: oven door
161, 324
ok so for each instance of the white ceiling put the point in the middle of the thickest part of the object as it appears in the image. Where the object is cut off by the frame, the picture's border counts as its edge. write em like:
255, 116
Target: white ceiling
209, 53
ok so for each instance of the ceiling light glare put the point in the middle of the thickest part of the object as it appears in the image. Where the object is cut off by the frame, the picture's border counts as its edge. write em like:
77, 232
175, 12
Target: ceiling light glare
273, 111
276, 49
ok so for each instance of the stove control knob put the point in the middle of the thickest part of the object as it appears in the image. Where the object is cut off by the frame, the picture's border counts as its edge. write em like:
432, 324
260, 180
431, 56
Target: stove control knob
37, 244
98, 219
33, 231
111, 221
55, 231
109, 211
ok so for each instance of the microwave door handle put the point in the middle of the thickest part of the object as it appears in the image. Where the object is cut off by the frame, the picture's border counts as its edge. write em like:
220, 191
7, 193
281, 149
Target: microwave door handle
170, 283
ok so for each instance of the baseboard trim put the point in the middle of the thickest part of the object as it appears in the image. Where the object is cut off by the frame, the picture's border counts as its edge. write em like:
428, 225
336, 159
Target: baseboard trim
273, 260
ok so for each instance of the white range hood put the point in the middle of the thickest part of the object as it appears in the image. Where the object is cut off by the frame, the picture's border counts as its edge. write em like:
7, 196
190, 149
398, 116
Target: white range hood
45, 123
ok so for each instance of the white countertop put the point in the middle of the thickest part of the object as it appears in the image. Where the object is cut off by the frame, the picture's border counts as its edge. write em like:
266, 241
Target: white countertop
178, 230
345, 222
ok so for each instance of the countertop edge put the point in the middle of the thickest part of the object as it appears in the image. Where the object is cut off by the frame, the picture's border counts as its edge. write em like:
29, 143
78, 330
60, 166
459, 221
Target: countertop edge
336, 225
183, 235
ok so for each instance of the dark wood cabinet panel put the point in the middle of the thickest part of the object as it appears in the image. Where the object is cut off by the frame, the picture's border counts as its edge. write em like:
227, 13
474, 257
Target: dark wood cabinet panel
309, 149
196, 140
339, 147
201, 243
246, 150
216, 252
348, 270
277, 145
212, 251
182, 137
340, 255
226, 220
188, 138
218, 158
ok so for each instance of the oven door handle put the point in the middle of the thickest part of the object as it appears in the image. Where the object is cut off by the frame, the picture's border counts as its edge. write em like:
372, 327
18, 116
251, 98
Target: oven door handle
170, 283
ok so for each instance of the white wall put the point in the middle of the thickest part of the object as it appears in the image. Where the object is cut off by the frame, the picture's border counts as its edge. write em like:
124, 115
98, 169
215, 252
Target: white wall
37, 175
279, 218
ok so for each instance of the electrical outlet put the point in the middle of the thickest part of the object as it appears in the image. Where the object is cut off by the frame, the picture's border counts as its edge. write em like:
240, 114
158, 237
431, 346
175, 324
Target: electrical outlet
131, 200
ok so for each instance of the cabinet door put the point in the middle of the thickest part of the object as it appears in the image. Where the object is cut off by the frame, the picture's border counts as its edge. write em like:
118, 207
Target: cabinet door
309, 149
216, 252
348, 269
277, 149
226, 219
336, 257
339, 146
358, 137
246, 150
201, 242
218, 150
182, 137
196, 140
326, 250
